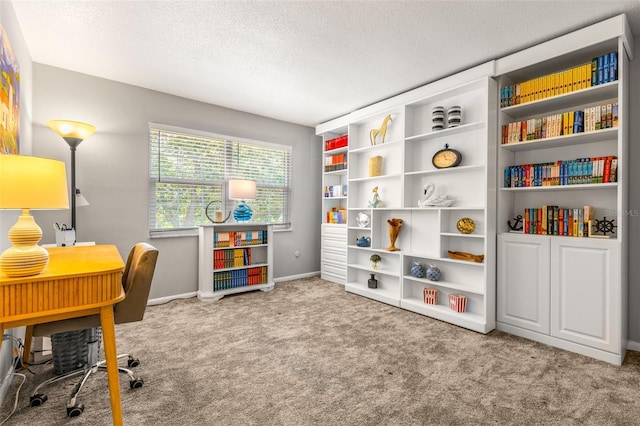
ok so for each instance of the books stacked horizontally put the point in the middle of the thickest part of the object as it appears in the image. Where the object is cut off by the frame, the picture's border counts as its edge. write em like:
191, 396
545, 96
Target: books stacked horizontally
566, 123
601, 70
554, 220
568, 172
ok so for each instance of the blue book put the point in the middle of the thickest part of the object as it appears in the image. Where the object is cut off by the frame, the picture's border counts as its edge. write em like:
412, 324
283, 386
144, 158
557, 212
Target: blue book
613, 66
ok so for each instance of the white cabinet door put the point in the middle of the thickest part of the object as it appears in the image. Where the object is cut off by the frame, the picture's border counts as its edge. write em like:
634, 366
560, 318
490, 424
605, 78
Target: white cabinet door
585, 295
523, 281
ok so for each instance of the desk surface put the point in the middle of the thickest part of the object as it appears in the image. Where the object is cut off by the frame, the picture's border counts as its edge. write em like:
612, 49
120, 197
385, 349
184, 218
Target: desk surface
78, 281
73, 278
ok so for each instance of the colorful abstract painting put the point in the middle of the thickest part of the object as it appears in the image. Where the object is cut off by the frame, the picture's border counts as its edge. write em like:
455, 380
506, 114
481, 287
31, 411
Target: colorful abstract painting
10, 96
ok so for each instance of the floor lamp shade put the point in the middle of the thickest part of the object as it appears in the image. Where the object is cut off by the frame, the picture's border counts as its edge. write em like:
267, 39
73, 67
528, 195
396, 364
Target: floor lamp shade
73, 132
240, 189
29, 183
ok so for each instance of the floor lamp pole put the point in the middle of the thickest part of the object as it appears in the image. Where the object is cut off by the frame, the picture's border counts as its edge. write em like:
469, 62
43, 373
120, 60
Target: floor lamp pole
73, 186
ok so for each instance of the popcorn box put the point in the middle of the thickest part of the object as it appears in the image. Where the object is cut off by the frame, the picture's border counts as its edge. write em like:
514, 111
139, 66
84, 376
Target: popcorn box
457, 302
430, 295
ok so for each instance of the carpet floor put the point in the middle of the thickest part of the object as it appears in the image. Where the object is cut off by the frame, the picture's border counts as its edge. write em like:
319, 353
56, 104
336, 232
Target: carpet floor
309, 353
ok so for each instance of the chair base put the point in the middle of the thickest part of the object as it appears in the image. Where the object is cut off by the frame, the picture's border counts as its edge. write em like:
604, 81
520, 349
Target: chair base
73, 408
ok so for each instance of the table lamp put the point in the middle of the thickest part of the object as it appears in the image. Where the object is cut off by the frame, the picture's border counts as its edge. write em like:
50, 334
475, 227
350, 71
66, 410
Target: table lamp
73, 132
242, 190
29, 183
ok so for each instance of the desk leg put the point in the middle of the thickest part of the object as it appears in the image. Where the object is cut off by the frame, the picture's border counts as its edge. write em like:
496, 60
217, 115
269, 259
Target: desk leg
109, 339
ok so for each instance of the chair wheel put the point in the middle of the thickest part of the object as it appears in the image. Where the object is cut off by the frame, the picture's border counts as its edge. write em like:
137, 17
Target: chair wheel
136, 383
133, 362
37, 399
75, 411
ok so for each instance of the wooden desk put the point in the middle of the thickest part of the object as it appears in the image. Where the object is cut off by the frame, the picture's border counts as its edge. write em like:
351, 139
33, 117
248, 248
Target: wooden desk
78, 281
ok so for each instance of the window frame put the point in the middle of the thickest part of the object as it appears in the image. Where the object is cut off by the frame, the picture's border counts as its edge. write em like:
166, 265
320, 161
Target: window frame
228, 172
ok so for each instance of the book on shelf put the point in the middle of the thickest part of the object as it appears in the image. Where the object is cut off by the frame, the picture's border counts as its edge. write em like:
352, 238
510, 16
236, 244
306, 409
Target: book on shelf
561, 221
337, 215
224, 280
336, 143
222, 239
331, 191
231, 258
600, 70
580, 171
335, 162
561, 124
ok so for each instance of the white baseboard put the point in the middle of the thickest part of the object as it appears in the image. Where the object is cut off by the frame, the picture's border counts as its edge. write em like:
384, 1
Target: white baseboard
296, 277
633, 346
166, 299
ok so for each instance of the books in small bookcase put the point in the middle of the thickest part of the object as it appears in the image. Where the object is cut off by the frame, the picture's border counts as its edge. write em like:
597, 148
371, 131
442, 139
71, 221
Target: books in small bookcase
239, 238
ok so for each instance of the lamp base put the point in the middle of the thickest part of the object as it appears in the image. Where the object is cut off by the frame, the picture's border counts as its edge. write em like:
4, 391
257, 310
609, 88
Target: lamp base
242, 212
25, 257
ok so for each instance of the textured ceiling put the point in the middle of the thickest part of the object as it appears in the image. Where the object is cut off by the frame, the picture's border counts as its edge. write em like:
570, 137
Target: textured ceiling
304, 62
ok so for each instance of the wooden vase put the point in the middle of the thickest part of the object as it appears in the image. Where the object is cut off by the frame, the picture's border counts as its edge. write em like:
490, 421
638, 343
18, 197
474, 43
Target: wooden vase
394, 229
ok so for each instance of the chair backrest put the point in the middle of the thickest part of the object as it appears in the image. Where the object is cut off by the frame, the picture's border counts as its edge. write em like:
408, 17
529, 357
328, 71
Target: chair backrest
136, 281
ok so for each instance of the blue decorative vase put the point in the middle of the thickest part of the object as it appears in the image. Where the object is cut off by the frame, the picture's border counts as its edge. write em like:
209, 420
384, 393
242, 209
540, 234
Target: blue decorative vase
242, 212
417, 270
433, 273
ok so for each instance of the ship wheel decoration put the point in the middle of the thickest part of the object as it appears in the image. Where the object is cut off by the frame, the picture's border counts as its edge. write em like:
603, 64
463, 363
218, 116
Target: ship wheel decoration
605, 226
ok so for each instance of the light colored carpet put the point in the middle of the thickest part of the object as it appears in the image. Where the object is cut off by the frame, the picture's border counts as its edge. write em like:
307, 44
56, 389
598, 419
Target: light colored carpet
308, 353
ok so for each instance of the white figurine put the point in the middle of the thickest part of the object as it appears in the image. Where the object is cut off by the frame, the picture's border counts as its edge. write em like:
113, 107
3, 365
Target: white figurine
429, 199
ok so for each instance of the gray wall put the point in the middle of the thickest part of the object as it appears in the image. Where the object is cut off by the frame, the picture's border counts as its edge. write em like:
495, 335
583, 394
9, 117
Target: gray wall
634, 198
112, 169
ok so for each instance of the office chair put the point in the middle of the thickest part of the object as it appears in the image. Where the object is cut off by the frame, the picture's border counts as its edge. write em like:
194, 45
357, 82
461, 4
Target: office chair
136, 281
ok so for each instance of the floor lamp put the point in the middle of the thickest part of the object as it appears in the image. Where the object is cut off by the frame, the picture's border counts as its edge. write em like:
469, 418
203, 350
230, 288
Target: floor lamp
73, 132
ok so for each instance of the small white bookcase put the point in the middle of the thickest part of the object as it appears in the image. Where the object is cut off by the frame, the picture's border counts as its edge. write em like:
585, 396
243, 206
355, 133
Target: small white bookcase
234, 258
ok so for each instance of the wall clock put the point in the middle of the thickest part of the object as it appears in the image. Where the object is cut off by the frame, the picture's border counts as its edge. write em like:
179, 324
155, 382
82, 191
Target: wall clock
446, 157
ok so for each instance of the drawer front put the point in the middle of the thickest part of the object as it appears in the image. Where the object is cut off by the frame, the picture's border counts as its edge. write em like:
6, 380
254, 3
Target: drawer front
335, 273
334, 231
336, 257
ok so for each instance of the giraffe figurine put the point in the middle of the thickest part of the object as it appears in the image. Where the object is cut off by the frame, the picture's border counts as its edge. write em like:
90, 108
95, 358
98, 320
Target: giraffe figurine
382, 131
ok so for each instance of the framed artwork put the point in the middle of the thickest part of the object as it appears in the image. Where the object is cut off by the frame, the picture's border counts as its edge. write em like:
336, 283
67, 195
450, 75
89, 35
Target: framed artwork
10, 98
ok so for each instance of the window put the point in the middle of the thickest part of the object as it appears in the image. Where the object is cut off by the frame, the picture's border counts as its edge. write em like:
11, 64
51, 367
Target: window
189, 171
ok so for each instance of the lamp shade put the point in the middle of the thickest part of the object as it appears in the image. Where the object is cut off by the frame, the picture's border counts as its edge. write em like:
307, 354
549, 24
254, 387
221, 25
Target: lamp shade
32, 183
29, 183
71, 129
242, 189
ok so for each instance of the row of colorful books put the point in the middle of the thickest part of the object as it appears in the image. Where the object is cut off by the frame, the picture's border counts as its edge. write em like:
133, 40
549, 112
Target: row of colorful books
335, 162
335, 191
602, 69
337, 215
239, 238
231, 258
566, 123
239, 278
567, 172
554, 220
